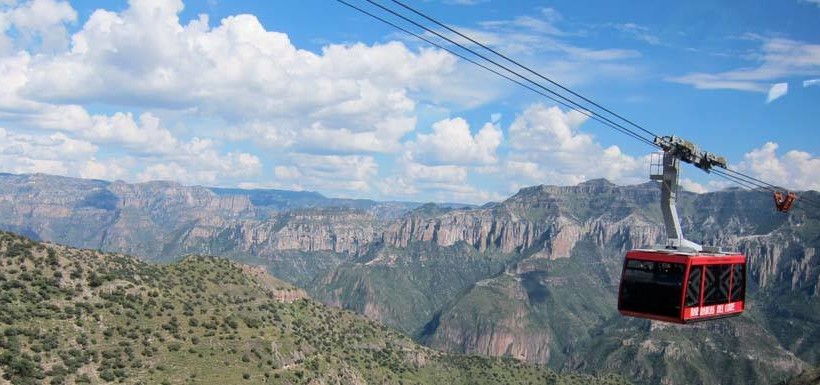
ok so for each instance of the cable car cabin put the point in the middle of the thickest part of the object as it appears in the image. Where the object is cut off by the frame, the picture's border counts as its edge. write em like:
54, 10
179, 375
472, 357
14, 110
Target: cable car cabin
682, 287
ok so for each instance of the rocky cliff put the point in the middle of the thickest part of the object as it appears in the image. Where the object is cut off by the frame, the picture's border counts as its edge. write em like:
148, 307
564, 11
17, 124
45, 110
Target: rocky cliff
533, 277
160, 220
554, 300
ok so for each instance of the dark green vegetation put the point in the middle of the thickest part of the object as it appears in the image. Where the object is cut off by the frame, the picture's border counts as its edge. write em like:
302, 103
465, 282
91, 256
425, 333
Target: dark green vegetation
550, 297
533, 277
80, 316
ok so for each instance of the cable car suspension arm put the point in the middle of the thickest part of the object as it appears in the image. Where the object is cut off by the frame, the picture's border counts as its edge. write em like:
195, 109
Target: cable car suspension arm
676, 150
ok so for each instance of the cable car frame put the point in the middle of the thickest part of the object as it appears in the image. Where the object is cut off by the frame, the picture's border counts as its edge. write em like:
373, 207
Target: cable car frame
682, 287
681, 281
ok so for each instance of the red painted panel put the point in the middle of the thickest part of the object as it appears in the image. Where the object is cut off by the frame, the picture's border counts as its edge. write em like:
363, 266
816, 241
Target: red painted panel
690, 314
724, 309
656, 256
718, 260
697, 259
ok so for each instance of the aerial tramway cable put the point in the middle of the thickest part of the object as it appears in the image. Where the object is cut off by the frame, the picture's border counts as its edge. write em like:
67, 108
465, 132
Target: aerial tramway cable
523, 67
736, 177
760, 185
653, 279
576, 106
542, 93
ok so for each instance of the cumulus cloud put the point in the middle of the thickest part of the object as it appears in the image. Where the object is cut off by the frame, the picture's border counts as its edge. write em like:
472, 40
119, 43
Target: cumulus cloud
110, 169
777, 91
794, 169
197, 161
692, 186
811, 83
319, 111
322, 118
53, 154
777, 58
200, 162
797, 170
442, 182
384, 138
447, 183
39, 23
245, 75
448, 177
141, 135
549, 147
345, 173
452, 143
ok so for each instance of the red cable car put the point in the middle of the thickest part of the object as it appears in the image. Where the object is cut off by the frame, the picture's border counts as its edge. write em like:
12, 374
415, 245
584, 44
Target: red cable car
682, 287
681, 281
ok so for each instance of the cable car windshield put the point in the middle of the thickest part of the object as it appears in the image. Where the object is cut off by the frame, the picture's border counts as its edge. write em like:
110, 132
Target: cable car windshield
652, 287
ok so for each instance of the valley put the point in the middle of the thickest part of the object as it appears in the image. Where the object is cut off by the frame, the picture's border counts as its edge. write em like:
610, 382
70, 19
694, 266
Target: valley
531, 278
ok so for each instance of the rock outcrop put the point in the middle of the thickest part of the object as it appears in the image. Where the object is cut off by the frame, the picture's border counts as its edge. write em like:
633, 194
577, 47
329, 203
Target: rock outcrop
533, 277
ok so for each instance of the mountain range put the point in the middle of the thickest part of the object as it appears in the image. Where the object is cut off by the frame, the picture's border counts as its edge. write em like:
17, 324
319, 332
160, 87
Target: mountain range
533, 277
73, 316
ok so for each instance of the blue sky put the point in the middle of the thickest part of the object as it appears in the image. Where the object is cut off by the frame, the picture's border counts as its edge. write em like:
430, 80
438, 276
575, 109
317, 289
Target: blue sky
311, 95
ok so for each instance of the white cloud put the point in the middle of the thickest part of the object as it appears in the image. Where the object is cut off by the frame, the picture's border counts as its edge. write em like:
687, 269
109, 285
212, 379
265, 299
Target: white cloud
441, 182
384, 138
815, 2
13, 76
197, 161
350, 174
524, 36
777, 58
322, 110
448, 177
794, 169
38, 23
544, 22
53, 154
445, 183
549, 147
322, 116
144, 57
811, 82
287, 172
107, 170
539, 38
451, 143
144, 135
692, 186
200, 162
349, 98
777, 91
638, 32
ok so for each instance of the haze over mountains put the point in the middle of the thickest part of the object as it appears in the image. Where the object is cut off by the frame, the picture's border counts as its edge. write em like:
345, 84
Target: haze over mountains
533, 277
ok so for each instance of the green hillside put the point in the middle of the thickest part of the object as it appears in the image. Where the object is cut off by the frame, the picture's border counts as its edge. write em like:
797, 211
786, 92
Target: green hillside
74, 316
